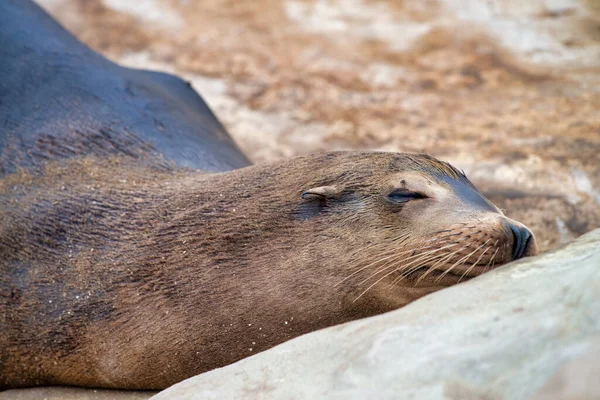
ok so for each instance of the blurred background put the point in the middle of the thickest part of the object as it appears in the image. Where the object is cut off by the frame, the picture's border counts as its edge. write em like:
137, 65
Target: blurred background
508, 90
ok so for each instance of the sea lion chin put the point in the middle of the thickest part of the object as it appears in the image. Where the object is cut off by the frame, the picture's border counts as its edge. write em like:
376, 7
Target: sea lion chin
113, 275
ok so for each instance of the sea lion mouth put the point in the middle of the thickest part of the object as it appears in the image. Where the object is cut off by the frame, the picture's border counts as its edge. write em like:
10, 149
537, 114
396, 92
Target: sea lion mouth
432, 264
441, 274
472, 270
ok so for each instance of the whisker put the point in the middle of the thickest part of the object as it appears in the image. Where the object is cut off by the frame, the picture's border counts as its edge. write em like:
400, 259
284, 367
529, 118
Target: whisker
449, 255
401, 239
462, 260
412, 269
492, 258
432, 268
476, 261
395, 255
421, 263
390, 254
431, 254
375, 283
391, 263
459, 262
493, 261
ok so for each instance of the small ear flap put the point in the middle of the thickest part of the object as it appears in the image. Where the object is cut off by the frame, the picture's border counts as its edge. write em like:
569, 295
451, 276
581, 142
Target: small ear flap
323, 192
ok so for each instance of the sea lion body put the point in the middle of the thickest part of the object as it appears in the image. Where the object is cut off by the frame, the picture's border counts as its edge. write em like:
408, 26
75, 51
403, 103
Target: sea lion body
59, 100
123, 266
140, 283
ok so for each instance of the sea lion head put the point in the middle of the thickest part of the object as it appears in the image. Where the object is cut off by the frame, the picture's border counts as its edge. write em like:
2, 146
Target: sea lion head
402, 225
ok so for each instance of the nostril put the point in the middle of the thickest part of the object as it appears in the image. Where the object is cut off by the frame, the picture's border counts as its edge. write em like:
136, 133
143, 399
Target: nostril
522, 238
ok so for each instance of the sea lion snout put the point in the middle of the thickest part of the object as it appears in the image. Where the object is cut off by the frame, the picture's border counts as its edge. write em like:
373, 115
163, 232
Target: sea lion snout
524, 244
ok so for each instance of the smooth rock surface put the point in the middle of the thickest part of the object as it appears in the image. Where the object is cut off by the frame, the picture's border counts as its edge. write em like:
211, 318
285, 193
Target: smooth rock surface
576, 380
500, 336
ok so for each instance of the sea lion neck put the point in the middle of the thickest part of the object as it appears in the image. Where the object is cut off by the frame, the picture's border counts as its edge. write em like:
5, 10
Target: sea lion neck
247, 220
239, 216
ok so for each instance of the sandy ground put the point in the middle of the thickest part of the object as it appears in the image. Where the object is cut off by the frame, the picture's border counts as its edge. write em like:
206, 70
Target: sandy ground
507, 90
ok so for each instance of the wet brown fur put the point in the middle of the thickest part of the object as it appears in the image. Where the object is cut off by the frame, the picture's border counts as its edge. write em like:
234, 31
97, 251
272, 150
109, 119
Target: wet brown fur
119, 275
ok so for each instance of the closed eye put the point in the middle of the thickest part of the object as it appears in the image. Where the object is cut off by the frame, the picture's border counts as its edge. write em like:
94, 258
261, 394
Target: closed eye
404, 195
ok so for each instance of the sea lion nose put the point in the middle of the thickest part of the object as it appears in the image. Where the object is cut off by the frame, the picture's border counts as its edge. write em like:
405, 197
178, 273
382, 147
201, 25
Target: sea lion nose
522, 240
